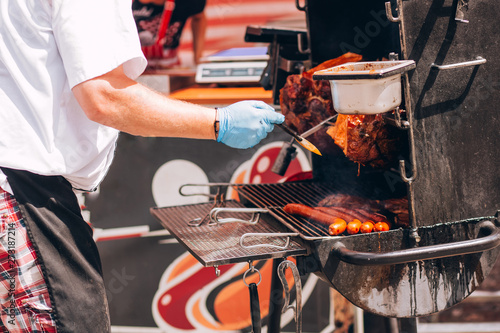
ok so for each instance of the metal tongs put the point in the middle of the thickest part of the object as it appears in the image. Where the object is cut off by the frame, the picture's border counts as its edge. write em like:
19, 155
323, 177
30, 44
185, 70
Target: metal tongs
288, 151
297, 309
300, 139
219, 207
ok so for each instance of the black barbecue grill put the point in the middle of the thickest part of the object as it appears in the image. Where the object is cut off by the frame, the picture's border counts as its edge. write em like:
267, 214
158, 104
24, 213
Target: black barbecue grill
449, 263
448, 169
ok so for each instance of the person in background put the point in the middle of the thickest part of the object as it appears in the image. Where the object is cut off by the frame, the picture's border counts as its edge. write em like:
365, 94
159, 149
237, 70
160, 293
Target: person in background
198, 28
160, 24
67, 88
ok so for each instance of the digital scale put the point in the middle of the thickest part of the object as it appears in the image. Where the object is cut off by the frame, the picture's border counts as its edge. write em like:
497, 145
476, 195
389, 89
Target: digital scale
235, 65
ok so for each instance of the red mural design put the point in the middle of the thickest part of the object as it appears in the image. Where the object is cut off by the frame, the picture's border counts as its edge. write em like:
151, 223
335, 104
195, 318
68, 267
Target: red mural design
192, 298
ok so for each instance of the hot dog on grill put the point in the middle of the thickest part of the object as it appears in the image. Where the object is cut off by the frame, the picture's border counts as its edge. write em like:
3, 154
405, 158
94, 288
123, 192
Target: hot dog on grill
309, 213
327, 215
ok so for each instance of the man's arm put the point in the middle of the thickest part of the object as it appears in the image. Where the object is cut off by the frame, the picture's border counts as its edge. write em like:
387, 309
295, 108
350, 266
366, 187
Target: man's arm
116, 101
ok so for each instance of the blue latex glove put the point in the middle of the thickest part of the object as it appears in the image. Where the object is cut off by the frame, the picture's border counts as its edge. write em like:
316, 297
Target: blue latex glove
245, 124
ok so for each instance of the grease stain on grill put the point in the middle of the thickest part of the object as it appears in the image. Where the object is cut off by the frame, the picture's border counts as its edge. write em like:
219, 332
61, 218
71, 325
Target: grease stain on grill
412, 289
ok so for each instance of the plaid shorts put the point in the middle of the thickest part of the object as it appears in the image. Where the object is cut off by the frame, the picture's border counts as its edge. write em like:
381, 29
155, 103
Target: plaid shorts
24, 298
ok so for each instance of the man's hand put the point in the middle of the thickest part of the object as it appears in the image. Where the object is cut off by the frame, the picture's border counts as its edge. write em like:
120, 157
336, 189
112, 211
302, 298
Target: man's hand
245, 124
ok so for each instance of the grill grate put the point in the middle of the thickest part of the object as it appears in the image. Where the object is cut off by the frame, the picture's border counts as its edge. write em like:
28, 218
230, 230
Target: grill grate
219, 244
276, 196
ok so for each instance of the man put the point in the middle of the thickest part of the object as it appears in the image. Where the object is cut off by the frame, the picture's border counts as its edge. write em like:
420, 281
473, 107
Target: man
67, 71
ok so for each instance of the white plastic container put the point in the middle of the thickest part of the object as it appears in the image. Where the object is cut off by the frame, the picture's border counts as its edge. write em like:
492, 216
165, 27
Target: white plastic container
366, 87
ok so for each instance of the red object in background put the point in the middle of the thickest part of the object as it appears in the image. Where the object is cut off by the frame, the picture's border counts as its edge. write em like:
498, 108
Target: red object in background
155, 51
260, 171
227, 21
173, 310
304, 175
193, 299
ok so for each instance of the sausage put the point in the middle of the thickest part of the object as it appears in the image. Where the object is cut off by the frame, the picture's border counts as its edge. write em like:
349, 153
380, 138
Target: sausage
329, 215
337, 227
381, 226
309, 213
353, 227
366, 227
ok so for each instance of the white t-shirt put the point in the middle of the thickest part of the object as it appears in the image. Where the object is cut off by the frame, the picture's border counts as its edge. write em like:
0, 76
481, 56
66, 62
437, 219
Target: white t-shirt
46, 48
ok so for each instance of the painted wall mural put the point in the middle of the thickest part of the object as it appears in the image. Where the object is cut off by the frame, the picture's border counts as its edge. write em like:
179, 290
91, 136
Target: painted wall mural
190, 297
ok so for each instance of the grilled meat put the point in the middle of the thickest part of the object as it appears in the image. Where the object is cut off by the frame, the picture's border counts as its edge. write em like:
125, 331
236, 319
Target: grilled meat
349, 201
352, 214
396, 206
306, 102
365, 139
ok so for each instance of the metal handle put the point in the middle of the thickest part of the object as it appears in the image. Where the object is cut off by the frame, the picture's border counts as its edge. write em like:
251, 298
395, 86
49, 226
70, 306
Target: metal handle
254, 298
319, 126
214, 215
388, 12
286, 155
255, 308
297, 309
488, 238
478, 61
299, 7
200, 185
300, 47
277, 234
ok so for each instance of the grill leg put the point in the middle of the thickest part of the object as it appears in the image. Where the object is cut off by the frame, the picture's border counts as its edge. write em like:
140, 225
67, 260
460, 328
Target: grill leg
407, 325
275, 300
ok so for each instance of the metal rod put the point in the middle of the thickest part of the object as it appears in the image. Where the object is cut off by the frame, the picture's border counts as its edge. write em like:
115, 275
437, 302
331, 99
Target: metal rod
409, 111
388, 13
477, 245
270, 234
319, 126
299, 7
411, 138
276, 300
220, 185
288, 130
479, 61
214, 215
402, 30
300, 47
397, 118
